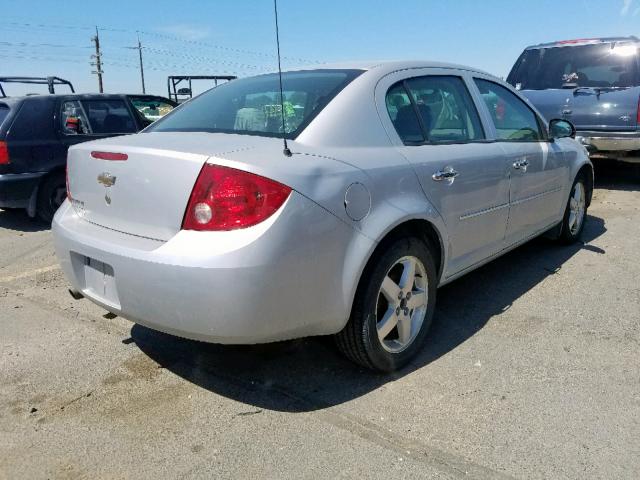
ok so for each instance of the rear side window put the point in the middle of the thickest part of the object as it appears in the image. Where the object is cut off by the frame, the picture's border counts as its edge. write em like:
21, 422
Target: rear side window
74, 120
252, 105
4, 112
33, 120
438, 108
608, 65
513, 119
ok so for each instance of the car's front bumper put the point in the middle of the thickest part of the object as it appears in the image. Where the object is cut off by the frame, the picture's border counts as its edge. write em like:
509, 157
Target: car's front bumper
16, 189
623, 146
280, 279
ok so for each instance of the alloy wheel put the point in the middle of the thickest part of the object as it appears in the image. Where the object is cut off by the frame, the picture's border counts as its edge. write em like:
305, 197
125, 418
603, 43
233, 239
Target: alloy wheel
401, 304
577, 207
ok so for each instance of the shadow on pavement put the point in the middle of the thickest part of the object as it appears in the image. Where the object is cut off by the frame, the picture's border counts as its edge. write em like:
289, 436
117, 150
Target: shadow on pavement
19, 221
309, 374
614, 175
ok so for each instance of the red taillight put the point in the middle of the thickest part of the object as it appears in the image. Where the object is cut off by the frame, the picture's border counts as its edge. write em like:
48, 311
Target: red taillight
227, 199
4, 154
118, 157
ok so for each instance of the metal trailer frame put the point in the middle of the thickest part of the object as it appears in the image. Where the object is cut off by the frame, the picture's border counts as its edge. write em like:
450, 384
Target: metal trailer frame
51, 82
174, 80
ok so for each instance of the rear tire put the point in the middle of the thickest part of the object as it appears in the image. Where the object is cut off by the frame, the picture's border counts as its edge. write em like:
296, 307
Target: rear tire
393, 308
52, 192
575, 213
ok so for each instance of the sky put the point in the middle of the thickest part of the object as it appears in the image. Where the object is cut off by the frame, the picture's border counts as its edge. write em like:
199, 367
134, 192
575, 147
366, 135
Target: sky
200, 37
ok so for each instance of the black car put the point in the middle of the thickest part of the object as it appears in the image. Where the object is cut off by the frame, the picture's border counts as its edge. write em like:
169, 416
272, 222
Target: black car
36, 131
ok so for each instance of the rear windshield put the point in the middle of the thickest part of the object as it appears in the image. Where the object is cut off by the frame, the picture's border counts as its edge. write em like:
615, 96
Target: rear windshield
607, 65
252, 105
4, 111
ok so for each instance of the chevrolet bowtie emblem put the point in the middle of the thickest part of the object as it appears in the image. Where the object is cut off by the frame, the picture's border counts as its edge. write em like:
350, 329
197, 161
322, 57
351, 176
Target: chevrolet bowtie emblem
106, 179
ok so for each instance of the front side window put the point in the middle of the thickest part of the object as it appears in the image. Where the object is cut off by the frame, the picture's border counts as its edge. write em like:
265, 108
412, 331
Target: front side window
438, 109
109, 116
513, 119
252, 106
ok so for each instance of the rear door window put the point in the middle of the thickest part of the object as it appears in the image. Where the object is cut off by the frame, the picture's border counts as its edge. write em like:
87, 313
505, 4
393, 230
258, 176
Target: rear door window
436, 108
513, 119
446, 109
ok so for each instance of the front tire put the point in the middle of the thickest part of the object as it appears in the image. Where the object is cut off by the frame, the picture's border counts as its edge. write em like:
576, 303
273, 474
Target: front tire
575, 213
393, 308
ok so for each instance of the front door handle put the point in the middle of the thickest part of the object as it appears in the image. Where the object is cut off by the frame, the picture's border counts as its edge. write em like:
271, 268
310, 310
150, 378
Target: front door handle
521, 165
445, 174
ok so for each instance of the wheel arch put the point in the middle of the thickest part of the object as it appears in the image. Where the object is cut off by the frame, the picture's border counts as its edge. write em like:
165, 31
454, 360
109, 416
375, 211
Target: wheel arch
587, 170
423, 228
32, 210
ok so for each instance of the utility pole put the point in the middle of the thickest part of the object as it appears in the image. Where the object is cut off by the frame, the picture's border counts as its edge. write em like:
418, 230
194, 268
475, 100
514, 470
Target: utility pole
141, 66
98, 63
139, 48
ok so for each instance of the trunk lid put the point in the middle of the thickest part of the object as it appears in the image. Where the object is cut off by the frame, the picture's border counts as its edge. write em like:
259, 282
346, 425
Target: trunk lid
589, 108
151, 188
153, 185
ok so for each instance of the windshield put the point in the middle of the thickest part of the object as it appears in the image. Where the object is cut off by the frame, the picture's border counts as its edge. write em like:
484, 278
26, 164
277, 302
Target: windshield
251, 106
608, 65
151, 108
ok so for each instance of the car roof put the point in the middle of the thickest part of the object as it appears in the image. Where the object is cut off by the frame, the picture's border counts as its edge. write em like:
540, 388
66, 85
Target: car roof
584, 41
80, 96
384, 67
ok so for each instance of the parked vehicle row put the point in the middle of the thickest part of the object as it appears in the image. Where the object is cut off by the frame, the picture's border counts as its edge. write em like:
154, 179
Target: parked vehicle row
36, 131
397, 178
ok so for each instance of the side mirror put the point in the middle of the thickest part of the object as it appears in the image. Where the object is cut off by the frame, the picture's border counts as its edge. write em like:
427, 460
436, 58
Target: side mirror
559, 128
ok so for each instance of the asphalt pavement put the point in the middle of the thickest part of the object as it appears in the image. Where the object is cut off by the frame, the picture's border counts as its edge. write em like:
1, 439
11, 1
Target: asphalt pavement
532, 370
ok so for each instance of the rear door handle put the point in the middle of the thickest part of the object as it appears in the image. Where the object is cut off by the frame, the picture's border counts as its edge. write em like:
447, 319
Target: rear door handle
521, 165
445, 174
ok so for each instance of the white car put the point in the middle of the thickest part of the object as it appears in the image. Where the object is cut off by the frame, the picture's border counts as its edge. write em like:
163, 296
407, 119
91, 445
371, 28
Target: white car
399, 177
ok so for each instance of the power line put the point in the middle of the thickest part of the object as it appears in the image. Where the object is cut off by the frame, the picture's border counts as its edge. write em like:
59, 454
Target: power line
53, 45
158, 35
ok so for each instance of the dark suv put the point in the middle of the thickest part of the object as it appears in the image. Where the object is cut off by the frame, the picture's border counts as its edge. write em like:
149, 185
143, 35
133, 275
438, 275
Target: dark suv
594, 83
36, 131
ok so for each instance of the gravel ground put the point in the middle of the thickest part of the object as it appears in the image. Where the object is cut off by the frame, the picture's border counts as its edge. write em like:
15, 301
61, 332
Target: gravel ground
531, 371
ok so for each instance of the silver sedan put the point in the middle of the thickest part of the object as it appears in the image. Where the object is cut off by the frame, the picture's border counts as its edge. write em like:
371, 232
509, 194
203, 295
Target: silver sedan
397, 178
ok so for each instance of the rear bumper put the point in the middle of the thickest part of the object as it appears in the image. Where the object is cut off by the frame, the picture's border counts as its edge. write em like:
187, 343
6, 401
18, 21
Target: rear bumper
623, 146
275, 281
16, 189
